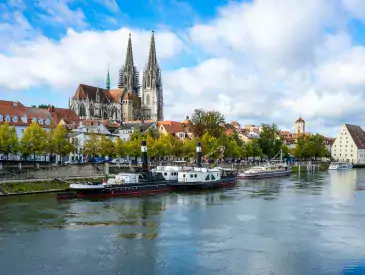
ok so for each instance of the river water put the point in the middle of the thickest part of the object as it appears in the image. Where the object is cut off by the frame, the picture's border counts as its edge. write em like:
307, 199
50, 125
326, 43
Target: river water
314, 224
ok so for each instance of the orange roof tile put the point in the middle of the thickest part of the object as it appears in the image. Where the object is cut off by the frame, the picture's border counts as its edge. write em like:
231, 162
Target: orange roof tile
67, 115
23, 116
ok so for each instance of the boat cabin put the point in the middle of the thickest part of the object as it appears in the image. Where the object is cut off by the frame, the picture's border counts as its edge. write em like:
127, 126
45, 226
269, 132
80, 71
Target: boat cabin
199, 175
171, 172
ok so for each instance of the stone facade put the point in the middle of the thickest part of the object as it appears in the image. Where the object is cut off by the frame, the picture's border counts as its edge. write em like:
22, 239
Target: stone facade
127, 102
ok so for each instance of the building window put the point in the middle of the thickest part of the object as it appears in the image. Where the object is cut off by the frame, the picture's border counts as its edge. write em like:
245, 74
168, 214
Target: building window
40, 121
1, 118
15, 119
48, 122
7, 118
82, 110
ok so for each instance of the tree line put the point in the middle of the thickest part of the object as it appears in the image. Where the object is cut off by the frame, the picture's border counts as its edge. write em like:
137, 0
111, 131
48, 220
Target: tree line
208, 127
35, 141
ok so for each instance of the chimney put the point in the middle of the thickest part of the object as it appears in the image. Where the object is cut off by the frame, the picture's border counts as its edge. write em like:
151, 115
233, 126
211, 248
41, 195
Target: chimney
199, 154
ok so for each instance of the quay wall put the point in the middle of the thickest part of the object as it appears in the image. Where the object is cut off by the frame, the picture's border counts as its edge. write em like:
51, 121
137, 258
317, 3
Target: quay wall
22, 173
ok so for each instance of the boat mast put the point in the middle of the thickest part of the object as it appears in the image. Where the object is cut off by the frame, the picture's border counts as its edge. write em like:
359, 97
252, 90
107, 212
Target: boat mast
281, 154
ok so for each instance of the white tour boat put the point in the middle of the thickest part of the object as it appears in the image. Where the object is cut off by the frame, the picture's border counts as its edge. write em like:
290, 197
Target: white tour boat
265, 171
340, 166
269, 170
201, 177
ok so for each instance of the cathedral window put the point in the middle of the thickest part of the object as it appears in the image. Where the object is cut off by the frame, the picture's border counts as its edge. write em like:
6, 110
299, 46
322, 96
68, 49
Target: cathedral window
148, 100
82, 110
97, 98
91, 111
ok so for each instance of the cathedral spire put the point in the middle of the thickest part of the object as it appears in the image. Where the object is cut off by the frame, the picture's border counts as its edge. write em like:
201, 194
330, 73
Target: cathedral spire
129, 57
128, 74
108, 80
152, 59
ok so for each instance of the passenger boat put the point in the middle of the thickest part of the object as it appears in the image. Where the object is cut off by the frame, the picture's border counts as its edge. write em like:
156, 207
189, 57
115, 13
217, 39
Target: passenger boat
146, 182
265, 171
200, 177
340, 166
272, 169
171, 172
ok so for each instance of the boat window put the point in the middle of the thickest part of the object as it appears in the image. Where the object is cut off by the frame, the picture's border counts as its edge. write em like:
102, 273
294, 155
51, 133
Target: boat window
191, 175
212, 177
207, 178
195, 176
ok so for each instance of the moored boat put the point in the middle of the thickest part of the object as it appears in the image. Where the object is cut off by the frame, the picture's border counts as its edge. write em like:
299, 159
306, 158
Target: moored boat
265, 171
269, 170
146, 182
340, 166
200, 177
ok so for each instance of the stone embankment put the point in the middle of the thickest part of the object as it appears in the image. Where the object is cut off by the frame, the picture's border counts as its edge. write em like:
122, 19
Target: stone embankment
16, 180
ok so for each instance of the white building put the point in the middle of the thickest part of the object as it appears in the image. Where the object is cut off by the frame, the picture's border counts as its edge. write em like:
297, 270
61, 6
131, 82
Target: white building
20, 116
350, 145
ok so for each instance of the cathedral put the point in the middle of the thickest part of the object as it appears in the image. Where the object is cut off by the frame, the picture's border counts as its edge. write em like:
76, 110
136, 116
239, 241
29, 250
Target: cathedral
126, 102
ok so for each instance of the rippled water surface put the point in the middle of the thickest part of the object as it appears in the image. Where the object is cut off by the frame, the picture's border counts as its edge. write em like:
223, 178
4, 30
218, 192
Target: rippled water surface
314, 224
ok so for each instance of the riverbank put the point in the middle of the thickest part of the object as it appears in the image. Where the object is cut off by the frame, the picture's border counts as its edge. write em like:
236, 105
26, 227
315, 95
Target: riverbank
12, 188
303, 168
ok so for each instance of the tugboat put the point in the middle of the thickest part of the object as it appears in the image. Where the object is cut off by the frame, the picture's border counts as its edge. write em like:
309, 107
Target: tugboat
146, 182
200, 177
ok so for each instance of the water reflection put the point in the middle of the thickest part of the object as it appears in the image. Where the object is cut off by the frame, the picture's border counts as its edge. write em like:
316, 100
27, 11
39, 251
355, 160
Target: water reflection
312, 224
343, 183
265, 188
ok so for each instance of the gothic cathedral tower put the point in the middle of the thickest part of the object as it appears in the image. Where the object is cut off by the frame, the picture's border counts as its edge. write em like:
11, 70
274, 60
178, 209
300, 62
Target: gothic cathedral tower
152, 96
128, 74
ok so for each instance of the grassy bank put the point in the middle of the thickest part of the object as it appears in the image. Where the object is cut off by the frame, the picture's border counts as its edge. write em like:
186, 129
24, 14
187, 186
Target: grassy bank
303, 168
17, 188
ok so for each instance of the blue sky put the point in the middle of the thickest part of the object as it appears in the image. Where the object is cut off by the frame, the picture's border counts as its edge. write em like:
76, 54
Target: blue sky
255, 61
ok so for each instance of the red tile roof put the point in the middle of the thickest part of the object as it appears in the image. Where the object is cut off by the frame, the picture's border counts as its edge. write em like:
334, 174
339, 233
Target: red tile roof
300, 120
17, 111
357, 134
67, 115
173, 128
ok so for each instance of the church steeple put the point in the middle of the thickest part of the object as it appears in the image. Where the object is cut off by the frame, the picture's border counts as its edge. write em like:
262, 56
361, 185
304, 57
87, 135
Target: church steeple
108, 80
152, 59
128, 74
152, 96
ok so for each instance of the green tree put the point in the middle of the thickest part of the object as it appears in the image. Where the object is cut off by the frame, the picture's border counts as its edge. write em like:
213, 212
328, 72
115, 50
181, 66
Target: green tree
120, 148
214, 122
177, 147
189, 148
91, 146
50, 144
253, 149
105, 146
310, 146
269, 140
209, 145
286, 150
33, 141
207, 121
9, 143
62, 146
153, 132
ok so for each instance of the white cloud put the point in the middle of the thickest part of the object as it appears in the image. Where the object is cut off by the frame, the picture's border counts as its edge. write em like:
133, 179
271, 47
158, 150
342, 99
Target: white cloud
256, 62
78, 58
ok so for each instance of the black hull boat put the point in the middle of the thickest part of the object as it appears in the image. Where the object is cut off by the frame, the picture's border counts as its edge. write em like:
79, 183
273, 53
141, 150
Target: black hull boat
124, 184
